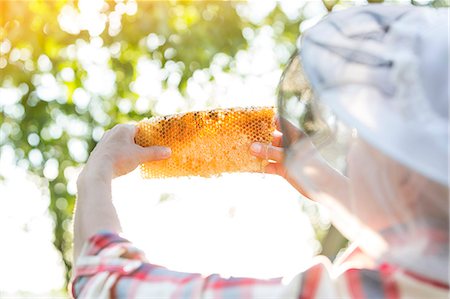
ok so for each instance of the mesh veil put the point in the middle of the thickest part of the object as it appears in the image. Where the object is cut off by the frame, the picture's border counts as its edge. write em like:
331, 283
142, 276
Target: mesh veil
366, 131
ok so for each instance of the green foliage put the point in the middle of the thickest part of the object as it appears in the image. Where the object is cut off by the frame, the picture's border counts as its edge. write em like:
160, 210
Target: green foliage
187, 33
46, 128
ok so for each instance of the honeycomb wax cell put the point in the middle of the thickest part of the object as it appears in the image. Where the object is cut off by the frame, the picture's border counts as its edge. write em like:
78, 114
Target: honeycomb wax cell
207, 143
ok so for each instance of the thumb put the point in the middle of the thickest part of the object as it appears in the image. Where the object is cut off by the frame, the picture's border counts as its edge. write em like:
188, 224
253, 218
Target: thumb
153, 153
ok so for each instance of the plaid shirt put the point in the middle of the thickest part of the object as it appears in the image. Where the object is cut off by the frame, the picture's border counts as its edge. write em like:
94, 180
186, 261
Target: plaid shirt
111, 267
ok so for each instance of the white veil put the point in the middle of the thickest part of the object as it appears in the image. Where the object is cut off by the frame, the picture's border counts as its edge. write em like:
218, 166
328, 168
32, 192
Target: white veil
370, 88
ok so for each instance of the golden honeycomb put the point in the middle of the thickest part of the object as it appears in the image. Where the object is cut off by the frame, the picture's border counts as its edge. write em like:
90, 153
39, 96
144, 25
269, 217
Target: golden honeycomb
207, 143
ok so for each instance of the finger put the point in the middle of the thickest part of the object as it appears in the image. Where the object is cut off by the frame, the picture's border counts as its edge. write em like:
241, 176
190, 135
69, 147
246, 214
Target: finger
129, 130
122, 128
291, 131
123, 132
267, 152
105, 135
277, 123
153, 153
277, 139
134, 126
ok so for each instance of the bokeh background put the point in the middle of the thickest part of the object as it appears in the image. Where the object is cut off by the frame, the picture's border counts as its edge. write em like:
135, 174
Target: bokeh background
70, 70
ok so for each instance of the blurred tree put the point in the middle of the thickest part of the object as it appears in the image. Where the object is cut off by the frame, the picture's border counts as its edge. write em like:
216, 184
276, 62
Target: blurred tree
58, 112
69, 71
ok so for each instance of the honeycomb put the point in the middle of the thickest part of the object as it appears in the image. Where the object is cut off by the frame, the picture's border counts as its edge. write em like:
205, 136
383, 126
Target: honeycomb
207, 143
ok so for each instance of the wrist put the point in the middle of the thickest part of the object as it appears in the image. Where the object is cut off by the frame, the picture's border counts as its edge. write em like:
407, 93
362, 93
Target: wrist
94, 173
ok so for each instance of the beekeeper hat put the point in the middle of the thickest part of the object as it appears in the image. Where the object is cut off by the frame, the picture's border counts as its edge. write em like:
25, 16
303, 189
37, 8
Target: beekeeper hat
384, 71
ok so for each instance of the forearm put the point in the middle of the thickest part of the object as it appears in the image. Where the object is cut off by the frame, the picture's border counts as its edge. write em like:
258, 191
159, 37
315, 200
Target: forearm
94, 209
334, 193
331, 189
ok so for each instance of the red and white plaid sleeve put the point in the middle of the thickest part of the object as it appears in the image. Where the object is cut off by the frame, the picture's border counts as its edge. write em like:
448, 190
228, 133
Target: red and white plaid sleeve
111, 267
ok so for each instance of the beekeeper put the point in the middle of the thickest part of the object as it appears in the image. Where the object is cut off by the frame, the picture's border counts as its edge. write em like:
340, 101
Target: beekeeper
363, 111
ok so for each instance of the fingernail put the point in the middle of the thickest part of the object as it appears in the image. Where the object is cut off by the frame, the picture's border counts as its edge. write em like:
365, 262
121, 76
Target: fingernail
256, 147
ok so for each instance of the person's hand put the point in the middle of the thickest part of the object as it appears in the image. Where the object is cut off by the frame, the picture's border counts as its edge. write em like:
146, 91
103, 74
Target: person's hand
117, 154
274, 154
